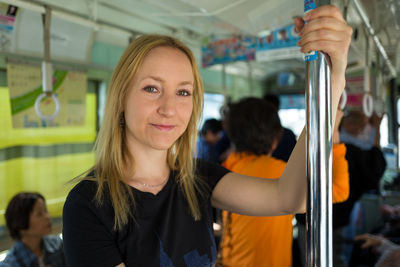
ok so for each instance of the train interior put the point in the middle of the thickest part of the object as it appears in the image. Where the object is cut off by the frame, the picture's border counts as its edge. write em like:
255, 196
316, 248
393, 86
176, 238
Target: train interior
85, 39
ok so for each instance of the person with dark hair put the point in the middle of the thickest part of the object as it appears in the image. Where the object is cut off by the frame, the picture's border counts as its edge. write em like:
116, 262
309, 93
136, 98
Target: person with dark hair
254, 128
29, 224
210, 134
288, 139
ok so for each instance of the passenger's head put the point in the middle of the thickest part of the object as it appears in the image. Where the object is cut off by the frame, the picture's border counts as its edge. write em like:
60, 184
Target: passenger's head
26, 215
112, 135
354, 122
273, 99
211, 130
253, 126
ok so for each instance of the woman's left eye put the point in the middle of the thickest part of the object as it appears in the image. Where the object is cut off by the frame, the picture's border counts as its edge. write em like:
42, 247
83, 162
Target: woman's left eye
183, 93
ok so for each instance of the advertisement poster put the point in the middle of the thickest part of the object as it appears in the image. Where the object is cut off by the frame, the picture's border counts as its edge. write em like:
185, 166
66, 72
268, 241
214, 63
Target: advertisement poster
279, 44
7, 20
25, 85
228, 50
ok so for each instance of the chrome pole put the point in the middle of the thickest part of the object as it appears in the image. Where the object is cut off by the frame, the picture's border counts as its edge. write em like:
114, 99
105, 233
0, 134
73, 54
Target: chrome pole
319, 163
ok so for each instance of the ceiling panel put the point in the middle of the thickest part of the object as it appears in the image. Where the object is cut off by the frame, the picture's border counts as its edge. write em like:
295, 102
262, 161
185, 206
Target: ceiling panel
193, 19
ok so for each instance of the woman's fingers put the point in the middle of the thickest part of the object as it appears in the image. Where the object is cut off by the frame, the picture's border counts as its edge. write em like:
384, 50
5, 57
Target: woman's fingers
328, 23
329, 42
299, 24
322, 35
324, 11
325, 30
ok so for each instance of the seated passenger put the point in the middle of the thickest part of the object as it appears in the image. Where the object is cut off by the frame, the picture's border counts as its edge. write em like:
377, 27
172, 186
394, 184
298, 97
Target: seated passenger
366, 167
254, 128
29, 224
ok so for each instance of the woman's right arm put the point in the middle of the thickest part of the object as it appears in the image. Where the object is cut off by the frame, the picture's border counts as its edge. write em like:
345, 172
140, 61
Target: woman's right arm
325, 31
87, 233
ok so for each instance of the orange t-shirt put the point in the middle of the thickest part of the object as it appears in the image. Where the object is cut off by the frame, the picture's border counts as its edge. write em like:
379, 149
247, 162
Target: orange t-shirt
267, 241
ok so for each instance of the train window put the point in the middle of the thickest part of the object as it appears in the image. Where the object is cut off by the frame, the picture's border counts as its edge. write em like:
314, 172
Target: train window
101, 101
398, 110
212, 107
293, 119
292, 112
384, 131
286, 79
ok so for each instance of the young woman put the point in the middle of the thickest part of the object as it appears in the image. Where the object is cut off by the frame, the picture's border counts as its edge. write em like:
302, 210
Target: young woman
147, 202
29, 223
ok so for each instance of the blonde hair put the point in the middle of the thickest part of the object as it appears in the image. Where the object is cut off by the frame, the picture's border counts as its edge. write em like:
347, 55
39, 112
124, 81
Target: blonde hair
111, 151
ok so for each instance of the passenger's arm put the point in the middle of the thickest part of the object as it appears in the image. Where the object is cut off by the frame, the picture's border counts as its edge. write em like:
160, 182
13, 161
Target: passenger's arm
340, 166
340, 174
325, 31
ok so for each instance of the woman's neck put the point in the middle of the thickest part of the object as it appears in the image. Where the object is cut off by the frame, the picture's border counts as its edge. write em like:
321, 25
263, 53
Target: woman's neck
151, 170
34, 244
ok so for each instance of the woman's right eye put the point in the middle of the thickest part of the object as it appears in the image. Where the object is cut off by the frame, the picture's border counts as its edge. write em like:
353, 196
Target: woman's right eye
150, 89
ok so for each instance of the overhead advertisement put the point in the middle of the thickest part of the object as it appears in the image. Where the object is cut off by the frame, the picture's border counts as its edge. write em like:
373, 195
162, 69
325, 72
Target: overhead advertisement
228, 50
25, 86
7, 20
279, 44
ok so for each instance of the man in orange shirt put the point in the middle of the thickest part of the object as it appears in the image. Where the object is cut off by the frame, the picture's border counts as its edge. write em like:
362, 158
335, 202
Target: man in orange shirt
263, 241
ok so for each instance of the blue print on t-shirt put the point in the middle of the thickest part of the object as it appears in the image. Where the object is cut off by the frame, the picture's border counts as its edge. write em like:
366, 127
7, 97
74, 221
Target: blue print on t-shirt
192, 258
165, 261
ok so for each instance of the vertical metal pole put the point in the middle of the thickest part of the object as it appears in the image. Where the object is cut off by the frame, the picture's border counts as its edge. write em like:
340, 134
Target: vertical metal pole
47, 70
319, 163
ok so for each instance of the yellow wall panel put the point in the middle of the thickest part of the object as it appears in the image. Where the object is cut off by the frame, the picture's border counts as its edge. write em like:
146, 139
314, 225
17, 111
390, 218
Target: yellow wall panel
48, 176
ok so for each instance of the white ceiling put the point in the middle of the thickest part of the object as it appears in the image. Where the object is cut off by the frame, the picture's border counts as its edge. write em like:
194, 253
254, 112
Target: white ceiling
192, 20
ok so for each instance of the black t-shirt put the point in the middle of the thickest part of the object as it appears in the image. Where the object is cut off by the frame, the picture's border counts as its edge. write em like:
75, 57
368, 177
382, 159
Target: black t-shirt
163, 234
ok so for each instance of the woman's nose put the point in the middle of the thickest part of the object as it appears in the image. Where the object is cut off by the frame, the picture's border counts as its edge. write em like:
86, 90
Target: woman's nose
167, 106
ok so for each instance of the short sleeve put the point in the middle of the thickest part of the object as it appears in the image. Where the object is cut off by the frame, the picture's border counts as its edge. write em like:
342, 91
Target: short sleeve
340, 174
88, 240
211, 172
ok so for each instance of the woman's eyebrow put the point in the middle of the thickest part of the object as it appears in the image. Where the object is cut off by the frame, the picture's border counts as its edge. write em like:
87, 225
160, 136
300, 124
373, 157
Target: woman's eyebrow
159, 79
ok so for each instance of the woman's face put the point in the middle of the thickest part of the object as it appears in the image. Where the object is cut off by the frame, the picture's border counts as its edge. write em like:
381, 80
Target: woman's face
159, 101
39, 221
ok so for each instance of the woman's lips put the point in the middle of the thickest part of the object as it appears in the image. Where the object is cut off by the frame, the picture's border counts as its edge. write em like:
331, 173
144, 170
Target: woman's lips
164, 128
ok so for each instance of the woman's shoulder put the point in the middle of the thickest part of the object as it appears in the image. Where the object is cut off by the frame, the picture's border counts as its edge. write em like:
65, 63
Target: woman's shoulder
205, 167
210, 172
85, 188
